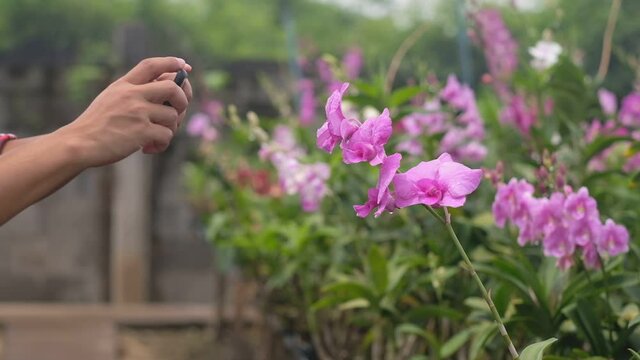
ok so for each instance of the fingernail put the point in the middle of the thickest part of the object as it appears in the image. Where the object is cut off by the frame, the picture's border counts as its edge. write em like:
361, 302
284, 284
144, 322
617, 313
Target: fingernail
182, 62
188, 67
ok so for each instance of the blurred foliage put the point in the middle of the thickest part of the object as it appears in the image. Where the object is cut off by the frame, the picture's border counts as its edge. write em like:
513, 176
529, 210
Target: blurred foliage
579, 27
393, 287
216, 31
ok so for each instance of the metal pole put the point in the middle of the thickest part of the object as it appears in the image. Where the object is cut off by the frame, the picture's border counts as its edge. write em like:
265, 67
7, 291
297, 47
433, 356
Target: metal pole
289, 25
464, 48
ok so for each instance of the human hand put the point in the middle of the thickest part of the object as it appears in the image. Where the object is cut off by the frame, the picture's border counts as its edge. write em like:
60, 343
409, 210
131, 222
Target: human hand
129, 114
186, 86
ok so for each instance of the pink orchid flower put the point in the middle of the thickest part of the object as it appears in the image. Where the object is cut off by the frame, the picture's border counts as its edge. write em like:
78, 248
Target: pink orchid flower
380, 197
440, 182
366, 142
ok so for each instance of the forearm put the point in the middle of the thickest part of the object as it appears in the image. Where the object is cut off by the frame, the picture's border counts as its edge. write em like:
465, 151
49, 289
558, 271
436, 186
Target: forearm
31, 170
17, 143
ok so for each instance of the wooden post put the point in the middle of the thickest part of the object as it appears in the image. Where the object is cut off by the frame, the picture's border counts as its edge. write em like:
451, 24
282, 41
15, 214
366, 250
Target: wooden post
131, 203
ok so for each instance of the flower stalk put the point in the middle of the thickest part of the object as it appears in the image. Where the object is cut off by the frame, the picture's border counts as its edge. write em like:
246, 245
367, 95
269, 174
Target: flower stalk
485, 293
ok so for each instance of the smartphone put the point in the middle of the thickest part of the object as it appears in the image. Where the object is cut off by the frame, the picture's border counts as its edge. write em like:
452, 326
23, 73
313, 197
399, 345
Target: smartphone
181, 76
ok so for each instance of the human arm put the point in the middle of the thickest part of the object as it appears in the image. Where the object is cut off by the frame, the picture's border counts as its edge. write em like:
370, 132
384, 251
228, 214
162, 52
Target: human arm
16, 143
126, 117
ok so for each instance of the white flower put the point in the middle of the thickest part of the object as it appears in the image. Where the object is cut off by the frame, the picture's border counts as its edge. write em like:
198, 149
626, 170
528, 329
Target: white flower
369, 112
349, 110
545, 54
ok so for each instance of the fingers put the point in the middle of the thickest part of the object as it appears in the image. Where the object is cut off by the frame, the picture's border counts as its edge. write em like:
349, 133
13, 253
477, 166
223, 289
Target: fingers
188, 91
164, 115
164, 119
160, 91
158, 139
186, 85
150, 69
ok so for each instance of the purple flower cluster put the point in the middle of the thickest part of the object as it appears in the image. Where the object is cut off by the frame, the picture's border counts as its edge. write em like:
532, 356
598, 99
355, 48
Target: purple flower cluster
200, 126
465, 134
360, 142
519, 114
608, 102
204, 124
463, 127
440, 182
565, 222
630, 110
501, 54
307, 102
632, 164
306, 180
352, 63
500, 48
326, 75
626, 124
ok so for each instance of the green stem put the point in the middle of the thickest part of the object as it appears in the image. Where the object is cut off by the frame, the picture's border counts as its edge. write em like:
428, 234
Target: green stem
485, 293
605, 275
434, 213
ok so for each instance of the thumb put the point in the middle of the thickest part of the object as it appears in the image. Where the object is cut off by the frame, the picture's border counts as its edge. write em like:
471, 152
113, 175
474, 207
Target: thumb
150, 69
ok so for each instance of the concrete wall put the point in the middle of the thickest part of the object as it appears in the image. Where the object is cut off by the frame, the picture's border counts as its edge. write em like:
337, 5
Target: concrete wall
55, 249
181, 260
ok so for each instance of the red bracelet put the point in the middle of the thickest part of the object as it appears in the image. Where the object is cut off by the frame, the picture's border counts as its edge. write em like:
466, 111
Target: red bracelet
4, 138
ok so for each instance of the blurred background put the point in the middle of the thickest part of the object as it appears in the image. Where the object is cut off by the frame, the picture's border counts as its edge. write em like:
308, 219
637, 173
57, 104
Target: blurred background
128, 234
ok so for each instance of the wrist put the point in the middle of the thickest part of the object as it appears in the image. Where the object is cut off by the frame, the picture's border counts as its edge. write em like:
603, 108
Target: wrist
5, 139
73, 149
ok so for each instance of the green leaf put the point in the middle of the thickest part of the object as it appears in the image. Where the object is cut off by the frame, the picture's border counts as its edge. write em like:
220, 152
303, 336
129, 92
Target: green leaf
362, 100
535, 351
343, 292
350, 287
283, 275
216, 80
589, 324
217, 223
601, 143
378, 269
635, 178
635, 356
455, 343
403, 95
426, 312
482, 334
570, 94
483, 220
419, 357
396, 274
412, 329
477, 303
368, 89
358, 303
326, 302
